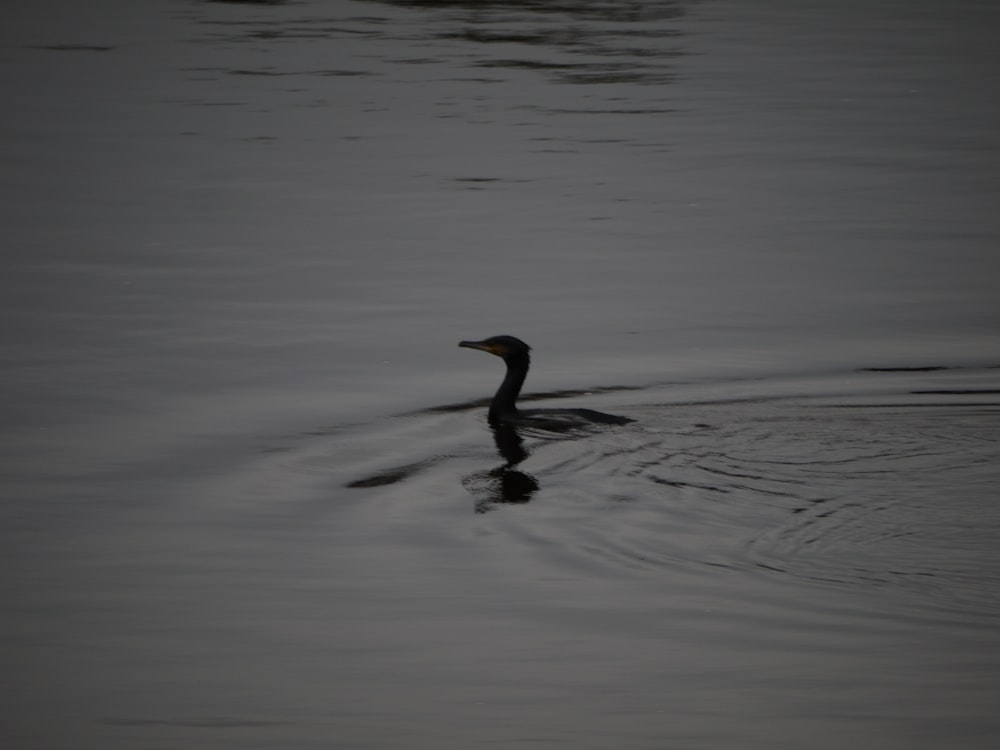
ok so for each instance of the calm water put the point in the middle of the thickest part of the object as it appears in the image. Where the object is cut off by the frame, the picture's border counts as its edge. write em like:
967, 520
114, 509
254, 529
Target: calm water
250, 499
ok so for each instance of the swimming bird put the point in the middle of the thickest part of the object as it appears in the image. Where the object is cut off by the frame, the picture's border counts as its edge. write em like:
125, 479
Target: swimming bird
503, 409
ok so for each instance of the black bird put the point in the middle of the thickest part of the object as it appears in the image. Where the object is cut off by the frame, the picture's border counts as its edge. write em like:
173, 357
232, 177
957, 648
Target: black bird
503, 409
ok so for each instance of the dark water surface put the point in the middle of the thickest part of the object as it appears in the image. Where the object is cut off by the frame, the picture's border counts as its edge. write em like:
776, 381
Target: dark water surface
250, 499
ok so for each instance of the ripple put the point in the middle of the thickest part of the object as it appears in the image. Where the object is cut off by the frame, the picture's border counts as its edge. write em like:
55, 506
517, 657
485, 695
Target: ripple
864, 489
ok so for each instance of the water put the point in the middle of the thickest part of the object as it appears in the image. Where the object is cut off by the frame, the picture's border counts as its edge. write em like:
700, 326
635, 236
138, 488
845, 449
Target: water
250, 497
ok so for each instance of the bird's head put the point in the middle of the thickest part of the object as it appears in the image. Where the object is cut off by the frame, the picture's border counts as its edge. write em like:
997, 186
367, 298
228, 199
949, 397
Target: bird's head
505, 347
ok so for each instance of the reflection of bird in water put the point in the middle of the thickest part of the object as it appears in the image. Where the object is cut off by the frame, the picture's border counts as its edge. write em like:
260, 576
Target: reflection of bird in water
503, 409
506, 483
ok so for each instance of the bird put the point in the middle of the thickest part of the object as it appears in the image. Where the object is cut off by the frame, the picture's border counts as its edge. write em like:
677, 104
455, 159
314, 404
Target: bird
503, 409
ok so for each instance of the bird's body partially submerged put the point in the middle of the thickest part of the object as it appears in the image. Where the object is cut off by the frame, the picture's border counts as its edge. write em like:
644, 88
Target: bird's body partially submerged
503, 409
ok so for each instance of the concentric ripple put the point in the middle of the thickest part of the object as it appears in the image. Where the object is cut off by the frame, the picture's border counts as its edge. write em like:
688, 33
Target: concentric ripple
887, 486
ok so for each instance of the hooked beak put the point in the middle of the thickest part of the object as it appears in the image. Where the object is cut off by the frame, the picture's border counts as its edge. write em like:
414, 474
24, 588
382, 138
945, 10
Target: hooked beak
480, 345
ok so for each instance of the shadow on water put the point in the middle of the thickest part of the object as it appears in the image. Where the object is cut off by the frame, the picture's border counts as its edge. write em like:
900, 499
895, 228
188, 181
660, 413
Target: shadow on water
251, 2
579, 42
568, 42
609, 10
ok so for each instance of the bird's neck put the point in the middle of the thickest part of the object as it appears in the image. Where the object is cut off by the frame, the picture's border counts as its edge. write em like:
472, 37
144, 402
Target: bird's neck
505, 401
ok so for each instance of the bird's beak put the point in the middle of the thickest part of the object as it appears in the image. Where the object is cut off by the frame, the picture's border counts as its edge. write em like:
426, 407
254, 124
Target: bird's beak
481, 346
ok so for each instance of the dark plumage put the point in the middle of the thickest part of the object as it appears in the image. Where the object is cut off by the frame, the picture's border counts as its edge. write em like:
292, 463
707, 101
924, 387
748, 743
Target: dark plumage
503, 409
